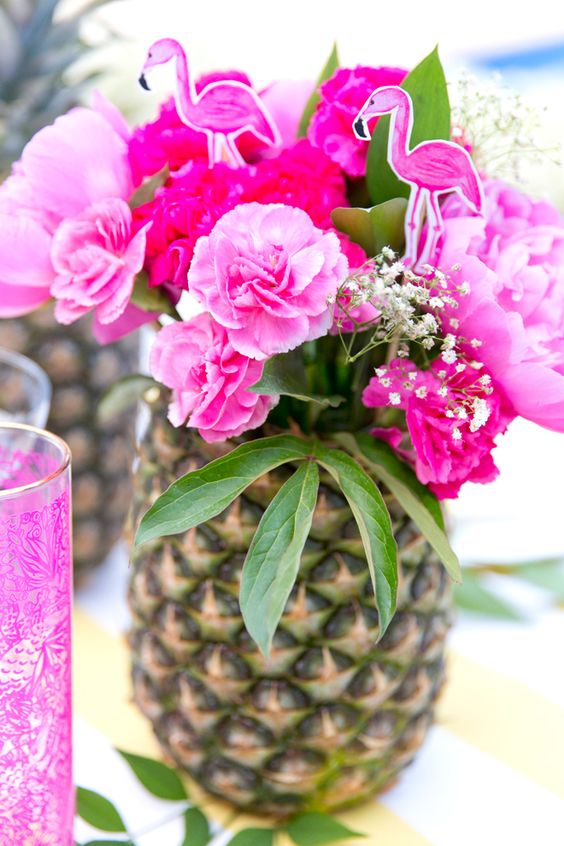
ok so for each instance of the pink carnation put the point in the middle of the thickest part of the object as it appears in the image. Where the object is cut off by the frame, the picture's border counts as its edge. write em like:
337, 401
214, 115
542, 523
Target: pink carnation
452, 418
265, 273
513, 313
209, 379
342, 97
96, 257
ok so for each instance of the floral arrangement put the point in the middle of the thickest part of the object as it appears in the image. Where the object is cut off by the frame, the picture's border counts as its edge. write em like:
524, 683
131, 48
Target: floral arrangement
282, 217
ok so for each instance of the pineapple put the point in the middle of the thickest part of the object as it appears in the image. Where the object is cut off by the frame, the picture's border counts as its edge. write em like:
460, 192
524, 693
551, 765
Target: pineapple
332, 715
38, 47
81, 371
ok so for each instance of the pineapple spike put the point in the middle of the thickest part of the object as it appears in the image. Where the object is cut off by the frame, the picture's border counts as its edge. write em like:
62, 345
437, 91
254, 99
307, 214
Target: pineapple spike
330, 669
210, 609
328, 726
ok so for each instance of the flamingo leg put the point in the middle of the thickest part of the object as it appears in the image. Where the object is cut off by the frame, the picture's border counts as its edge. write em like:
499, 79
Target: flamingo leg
412, 224
211, 149
435, 227
220, 142
233, 151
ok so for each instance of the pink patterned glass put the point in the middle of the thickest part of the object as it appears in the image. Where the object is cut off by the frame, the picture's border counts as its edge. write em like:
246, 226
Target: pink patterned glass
36, 793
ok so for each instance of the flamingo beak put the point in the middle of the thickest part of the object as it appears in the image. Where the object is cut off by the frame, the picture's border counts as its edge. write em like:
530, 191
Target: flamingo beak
360, 129
143, 82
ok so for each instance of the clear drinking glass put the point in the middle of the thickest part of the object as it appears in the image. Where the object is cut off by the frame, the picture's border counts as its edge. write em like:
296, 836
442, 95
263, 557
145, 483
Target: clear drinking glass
25, 390
36, 793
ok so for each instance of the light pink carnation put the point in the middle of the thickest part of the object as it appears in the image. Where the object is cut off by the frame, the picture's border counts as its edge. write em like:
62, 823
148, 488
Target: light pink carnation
452, 438
513, 262
96, 257
209, 379
265, 273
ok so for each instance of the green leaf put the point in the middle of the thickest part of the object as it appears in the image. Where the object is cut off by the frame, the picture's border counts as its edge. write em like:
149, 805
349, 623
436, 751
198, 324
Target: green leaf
374, 525
108, 843
156, 777
98, 811
285, 374
471, 595
196, 828
375, 228
431, 119
273, 559
123, 395
331, 66
146, 191
315, 829
417, 500
204, 493
548, 574
253, 837
152, 300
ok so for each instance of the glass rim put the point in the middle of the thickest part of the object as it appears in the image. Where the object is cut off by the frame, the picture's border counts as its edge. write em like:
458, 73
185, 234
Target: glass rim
30, 366
53, 439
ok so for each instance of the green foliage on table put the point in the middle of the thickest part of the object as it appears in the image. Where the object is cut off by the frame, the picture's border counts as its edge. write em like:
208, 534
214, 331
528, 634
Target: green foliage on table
308, 829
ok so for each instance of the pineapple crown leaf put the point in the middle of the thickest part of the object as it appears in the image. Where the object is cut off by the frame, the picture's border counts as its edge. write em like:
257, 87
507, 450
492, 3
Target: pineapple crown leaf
417, 500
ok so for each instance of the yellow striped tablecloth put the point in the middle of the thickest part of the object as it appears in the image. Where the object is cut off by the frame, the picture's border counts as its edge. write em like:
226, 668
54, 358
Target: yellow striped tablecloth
490, 774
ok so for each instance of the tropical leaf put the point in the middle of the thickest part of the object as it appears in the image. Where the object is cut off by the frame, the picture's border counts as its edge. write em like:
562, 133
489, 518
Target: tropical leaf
204, 493
417, 500
431, 119
473, 596
316, 829
152, 300
285, 374
196, 828
98, 811
156, 777
273, 559
375, 228
253, 837
329, 69
374, 525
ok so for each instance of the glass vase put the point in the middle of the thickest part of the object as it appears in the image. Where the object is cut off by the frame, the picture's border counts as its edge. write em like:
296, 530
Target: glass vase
36, 794
25, 390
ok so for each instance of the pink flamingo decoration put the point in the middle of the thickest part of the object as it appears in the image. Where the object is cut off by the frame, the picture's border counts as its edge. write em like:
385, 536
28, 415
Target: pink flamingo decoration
223, 110
432, 168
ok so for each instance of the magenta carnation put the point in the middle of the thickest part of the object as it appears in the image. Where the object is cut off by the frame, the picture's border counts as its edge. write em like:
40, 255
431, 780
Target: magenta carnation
266, 273
342, 97
209, 379
513, 314
96, 257
453, 416
187, 207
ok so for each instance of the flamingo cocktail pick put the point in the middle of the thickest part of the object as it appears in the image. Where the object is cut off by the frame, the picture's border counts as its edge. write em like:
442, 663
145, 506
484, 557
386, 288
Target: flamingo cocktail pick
223, 110
432, 168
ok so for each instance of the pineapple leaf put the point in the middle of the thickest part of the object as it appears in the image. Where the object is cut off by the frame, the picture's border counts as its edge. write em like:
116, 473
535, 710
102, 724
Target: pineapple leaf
374, 525
273, 560
202, 494
329, 69
98, 811
196, 827
285, 374
253, 837
156, 777
316, 829
415, 498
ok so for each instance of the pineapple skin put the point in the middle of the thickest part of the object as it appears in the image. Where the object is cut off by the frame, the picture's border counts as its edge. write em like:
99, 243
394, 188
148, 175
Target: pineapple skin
333, 715
102, 455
